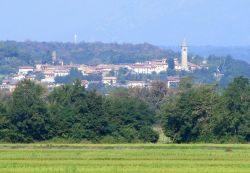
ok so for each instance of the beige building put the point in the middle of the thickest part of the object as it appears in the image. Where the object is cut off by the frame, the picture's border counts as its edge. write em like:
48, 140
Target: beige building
10, 88
61, 72
149, 67
85, 83
160, 65
177, 65
25, 70
184, 56
193, 67
109, 80
173, 81
143, 68
137, 84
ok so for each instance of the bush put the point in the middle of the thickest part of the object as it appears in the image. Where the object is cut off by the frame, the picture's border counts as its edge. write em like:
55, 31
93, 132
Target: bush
146, 134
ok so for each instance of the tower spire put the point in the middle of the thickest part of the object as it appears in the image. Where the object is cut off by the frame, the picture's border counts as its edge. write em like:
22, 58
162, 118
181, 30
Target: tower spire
184, 43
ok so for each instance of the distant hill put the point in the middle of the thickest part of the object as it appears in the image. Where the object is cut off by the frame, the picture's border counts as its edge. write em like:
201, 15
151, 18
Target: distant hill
237, 52
14, 54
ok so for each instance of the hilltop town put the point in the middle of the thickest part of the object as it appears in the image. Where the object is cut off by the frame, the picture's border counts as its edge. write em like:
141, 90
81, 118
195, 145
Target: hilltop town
46, 73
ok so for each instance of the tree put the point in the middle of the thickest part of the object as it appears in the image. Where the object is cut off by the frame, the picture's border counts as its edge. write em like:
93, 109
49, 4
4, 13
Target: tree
4, 123
186, 118
186, 84
153, 96
130, 119
40, 76
73, 75
28, 113
77, 113
232, 118
170, 62
201, 113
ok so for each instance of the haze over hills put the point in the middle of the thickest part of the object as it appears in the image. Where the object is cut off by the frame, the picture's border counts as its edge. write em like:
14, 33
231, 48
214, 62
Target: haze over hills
237, 52
15, 54
161, 22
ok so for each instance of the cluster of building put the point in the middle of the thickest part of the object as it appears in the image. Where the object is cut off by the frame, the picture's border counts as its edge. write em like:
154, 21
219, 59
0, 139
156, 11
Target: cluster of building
58, 68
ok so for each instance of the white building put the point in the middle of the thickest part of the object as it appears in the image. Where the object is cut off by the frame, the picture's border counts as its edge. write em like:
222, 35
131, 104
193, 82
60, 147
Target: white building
61, 72
138, 84
24, 70
173, 81
177, 65
49, 77
18, 77
85, 83
149, 67
9, 85
109, 80
160, 65
143, 68
193, 67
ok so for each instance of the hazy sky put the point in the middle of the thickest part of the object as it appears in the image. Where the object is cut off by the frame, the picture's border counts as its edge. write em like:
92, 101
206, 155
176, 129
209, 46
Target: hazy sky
161, 22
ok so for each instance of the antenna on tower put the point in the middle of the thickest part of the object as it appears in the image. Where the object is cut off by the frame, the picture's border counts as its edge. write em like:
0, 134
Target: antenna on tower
75, 39
184, 43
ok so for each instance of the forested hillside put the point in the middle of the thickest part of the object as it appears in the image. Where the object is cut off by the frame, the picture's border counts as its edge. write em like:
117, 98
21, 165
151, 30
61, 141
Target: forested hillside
14, 54
225, 67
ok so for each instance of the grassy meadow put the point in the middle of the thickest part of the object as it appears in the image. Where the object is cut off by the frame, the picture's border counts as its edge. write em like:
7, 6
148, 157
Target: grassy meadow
124, 158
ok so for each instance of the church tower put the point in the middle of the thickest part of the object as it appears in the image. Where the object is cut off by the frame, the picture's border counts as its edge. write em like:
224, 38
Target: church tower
54, 57
184, 56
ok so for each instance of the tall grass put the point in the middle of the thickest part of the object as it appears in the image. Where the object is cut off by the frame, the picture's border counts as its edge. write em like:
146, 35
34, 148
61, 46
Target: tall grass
124, 158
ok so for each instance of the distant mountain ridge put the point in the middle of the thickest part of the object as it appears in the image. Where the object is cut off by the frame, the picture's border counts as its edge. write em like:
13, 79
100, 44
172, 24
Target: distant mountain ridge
237, 52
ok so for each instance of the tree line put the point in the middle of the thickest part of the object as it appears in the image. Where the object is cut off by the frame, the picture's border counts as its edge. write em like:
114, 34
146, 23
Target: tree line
190, 113
72, 113
207, 114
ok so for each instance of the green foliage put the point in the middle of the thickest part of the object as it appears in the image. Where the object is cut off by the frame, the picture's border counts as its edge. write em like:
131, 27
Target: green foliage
4, 123
200, 113
191, 113
28, 113
130, 118
186, 117
228, 67
14, 54
170, 62
80, 114
74, 74
232, 117
77, 113
153, 96
40, 76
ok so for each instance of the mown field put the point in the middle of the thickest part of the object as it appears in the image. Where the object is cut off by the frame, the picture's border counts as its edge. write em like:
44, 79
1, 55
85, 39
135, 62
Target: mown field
134, 158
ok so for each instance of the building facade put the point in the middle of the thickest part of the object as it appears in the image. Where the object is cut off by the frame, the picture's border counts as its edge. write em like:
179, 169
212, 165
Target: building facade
184, 56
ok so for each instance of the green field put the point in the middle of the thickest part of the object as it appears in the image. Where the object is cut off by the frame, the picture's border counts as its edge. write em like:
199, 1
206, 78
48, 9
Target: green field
134, 158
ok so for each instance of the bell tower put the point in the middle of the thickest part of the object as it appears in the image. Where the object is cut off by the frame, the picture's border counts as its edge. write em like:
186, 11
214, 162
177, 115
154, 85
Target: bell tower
54, 57
184, 56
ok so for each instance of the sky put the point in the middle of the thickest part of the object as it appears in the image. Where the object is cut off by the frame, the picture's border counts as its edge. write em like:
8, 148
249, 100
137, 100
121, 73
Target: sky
159, 22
